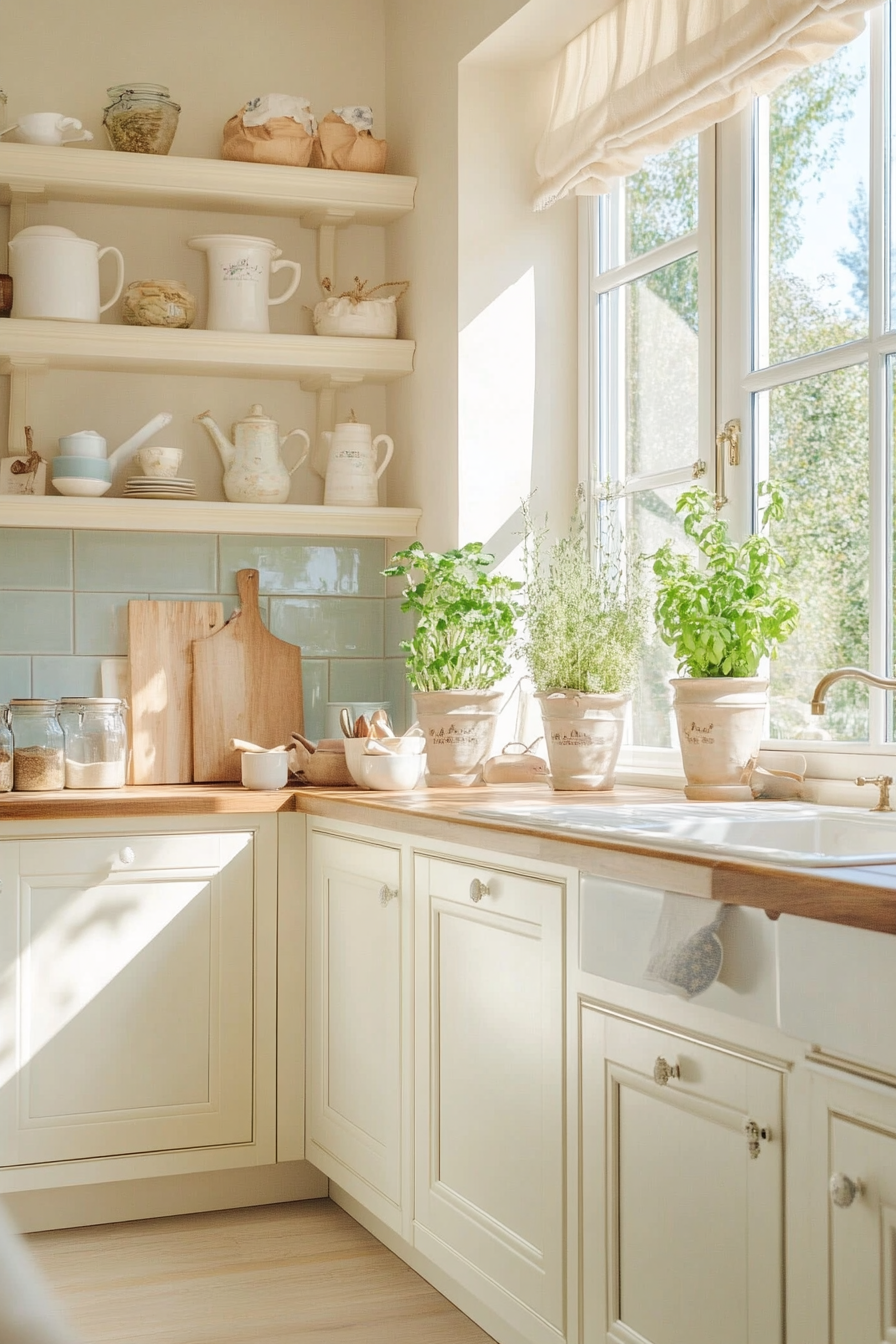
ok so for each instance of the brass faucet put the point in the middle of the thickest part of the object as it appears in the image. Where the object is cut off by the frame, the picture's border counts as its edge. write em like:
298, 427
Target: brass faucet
883, 782
848, 674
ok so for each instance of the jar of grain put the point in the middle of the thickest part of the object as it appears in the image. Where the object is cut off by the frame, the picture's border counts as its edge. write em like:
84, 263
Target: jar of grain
141, 118
6, 749
38, 757
96, 743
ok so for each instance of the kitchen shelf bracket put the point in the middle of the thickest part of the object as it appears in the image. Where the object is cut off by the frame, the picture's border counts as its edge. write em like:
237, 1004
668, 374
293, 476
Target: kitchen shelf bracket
21, 369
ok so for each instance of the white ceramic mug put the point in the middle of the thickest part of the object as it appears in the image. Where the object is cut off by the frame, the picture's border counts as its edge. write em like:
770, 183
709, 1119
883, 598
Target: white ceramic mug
264, 769
163, 463
47, 128
239, 280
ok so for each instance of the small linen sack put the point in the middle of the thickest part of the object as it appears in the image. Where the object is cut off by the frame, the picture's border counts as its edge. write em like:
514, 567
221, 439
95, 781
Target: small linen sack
339, 144
281, 140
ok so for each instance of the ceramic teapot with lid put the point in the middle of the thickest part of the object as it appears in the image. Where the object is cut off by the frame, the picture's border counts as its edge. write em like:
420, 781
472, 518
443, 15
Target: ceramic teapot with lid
351, 472
56, 274
254, 471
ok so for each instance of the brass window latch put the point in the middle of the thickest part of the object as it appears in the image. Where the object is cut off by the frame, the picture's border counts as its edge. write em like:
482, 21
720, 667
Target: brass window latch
727, 450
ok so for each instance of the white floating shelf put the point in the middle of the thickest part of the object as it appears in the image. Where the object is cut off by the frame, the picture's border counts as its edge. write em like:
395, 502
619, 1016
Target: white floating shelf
162, 515
315, 362
314, 195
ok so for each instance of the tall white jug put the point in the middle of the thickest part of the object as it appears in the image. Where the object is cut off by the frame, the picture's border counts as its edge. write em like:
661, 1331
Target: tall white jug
352, 472
239, 280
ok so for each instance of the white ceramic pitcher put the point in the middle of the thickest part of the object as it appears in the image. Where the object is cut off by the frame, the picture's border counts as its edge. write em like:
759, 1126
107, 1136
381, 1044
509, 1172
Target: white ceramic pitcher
56, 274
352, 473
239, 280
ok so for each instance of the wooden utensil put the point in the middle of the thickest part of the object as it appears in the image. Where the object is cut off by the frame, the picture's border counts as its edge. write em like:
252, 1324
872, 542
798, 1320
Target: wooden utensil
160, 638
246, 684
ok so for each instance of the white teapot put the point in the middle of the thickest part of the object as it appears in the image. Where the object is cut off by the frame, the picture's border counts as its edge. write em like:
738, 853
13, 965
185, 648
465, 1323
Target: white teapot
254, 471
56, 274
352, 473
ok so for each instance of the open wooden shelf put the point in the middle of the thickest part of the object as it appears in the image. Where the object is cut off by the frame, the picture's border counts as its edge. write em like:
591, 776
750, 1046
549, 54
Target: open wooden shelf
314, 195
164, 515
313, 361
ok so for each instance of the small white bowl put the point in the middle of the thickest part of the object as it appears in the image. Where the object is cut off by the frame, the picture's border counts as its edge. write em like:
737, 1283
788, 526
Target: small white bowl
356, 758
264, 769
81, 485
399, 773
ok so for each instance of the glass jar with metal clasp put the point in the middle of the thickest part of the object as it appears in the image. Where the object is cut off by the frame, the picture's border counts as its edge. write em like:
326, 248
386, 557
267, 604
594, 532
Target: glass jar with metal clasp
96, 743
38, 757
6, 750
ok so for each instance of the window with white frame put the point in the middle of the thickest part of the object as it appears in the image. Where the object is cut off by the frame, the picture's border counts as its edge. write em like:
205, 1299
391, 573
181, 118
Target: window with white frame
747, 276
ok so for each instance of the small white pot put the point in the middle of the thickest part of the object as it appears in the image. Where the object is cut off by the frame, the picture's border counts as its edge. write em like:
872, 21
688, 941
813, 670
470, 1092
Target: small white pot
264, 769
459, 727
720, 723
583, 732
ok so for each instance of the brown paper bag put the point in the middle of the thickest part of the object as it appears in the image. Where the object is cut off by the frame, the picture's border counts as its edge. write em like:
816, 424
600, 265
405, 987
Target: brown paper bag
280, 140
340, 145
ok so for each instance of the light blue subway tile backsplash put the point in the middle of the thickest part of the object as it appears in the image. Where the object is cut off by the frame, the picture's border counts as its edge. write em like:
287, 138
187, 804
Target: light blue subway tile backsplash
330, 627
315, 678
399, 625
183, 563
101, 622
356, 679
37, 557
15, 678
34, 622
55, 677
397, 691
337, 568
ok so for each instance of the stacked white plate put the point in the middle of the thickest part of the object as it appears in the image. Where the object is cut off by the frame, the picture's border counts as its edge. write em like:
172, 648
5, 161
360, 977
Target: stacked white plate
160, 487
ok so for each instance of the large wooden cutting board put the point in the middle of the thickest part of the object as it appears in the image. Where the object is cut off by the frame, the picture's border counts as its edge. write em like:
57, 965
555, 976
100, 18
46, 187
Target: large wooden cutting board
160, 652
246, 683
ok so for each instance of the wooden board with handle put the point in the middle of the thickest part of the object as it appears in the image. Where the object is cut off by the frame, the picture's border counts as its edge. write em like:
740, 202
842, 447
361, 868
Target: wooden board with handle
161, 636
246, 683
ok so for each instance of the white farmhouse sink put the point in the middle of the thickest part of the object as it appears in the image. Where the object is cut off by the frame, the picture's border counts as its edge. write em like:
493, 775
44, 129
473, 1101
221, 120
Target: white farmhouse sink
791, 834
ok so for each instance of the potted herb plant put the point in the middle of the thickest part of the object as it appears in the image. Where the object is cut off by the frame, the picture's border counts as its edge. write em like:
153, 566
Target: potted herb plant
584, 636
466, 623
721, 618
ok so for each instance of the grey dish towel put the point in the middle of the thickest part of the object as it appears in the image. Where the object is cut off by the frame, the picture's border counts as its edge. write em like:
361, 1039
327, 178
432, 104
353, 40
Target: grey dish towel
686, 951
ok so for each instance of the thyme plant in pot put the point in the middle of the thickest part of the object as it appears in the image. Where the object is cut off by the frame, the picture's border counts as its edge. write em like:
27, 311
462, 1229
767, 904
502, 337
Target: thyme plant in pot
466, 623
721, 619
584, 636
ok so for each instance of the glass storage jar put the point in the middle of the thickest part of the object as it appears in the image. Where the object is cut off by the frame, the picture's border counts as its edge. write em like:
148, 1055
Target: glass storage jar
6, 749
96, 743
38, 757
141, 118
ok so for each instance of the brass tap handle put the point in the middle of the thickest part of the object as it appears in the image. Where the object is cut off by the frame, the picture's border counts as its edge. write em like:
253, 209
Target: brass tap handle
884, 783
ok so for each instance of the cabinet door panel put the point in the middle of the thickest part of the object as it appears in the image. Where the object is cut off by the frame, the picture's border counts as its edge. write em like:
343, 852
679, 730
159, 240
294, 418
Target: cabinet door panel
354, 978
128, 1017
862, 1236
682, 1229
489, 1085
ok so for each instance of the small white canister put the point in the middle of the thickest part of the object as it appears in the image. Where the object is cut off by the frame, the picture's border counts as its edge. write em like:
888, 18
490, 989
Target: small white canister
56, 275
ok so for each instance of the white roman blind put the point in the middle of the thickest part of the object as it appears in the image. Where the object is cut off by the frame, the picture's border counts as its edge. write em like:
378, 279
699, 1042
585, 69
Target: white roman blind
648, 72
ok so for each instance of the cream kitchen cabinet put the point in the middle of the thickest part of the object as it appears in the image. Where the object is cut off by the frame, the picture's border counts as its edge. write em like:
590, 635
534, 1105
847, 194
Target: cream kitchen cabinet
862, 1233
682, 1199
356, 911
137, 1001
489, 1077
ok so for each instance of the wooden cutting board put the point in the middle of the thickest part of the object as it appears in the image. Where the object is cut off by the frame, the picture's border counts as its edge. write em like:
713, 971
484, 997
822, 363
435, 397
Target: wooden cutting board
246, 683
161, 636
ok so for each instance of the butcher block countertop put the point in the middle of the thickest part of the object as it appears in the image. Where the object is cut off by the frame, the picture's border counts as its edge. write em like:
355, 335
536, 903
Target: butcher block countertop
861, 897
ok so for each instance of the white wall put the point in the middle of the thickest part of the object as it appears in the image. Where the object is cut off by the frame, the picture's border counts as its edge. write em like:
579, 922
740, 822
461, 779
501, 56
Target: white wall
59, 56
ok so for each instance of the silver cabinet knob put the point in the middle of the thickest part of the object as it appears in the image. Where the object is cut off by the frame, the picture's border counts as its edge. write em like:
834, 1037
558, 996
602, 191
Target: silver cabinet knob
127, 855
663, 1071
478, 890
388, 894
843, 1190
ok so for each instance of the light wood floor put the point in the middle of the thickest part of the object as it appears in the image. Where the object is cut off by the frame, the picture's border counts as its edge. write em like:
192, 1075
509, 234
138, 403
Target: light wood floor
304, 1271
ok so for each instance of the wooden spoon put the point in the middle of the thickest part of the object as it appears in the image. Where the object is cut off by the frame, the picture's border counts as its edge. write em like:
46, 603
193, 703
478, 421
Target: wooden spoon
362, 727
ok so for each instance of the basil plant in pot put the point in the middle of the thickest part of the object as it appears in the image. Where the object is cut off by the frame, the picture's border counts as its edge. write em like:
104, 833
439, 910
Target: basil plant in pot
466, 624
721, 618
583, 641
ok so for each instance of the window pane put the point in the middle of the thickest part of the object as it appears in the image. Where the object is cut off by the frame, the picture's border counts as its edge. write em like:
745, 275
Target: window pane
661, 199
661, 369
818, 452
817, 226
650, 520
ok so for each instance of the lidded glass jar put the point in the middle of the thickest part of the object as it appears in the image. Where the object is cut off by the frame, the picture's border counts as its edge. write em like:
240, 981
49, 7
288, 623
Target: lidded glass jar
141, 118
96, 742
6, 750
38, 756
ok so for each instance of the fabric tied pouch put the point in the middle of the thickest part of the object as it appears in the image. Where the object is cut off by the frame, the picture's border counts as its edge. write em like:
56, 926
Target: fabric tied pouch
686, 951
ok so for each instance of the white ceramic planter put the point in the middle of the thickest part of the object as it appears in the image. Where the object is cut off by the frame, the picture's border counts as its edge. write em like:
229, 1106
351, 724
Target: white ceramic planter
459, 727
583, 733
720, 723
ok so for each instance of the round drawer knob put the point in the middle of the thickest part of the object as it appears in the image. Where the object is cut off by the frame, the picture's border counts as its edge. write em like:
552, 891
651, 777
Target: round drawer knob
663, 1071
127, 856
388, 894
844, 1190
478, 890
